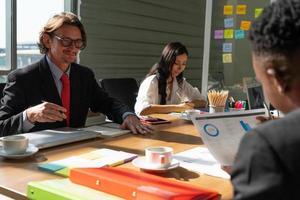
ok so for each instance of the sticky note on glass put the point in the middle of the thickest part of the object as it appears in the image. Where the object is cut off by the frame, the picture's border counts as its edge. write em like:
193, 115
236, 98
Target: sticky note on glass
228, 22
239, 34
227, 47
228, 33
245, 25
227, 58
241, 9
219, 34
258, 12
228, 10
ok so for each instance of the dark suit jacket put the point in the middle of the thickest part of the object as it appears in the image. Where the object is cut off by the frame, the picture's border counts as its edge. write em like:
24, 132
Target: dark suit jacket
33, 84
267, 165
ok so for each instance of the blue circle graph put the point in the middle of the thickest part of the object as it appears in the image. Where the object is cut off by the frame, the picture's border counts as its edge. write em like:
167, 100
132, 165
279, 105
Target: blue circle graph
211, 130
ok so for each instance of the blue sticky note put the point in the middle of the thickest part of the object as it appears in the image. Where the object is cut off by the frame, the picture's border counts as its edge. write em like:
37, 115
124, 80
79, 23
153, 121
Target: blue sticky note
227, 47
228, 22
239, 34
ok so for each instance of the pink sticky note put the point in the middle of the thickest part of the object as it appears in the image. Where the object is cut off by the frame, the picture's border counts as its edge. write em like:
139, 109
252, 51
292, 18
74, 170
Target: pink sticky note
219, 34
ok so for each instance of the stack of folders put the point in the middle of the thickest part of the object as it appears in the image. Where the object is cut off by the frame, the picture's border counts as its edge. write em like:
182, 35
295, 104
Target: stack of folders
89, 180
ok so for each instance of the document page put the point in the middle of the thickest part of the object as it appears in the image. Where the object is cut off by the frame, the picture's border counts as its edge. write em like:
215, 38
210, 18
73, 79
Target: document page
200, 160
107, 129
222, 132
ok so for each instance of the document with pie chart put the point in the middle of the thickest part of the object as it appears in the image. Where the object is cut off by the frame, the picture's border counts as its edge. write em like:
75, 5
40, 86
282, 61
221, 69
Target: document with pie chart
222, 132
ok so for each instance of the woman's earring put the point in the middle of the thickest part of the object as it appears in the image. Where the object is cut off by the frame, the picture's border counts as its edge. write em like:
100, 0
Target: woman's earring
270, 71
280, 89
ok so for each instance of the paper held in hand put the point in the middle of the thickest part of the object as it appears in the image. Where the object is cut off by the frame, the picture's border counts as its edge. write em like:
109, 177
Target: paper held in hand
222, 132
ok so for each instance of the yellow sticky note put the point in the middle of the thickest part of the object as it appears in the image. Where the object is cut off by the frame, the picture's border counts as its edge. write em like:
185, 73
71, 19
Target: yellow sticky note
245, 25
228, 10
241, 9
227, 58
228, 33
258, 12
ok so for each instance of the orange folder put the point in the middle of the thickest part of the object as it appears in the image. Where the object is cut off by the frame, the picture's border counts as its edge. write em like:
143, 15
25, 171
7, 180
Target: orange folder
135, 185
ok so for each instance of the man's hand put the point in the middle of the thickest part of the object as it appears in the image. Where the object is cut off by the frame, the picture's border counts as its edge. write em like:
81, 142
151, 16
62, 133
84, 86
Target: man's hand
46, 112
262, 119
227, 169
134, 124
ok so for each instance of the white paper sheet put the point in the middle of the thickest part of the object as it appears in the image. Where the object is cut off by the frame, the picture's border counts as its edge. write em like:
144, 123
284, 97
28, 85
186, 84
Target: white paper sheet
200, 160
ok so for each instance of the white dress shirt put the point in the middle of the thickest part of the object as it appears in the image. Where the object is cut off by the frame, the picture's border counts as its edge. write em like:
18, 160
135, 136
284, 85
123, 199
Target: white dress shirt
148, 93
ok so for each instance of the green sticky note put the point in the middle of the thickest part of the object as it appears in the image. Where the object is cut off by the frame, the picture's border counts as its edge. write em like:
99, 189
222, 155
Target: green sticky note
258, 12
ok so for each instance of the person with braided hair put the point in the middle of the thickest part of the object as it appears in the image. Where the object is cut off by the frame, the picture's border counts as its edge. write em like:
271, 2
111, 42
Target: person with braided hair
164, 89
268, 161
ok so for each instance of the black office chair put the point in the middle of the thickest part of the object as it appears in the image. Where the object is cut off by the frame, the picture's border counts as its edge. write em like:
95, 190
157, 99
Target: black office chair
123, 89
2, 85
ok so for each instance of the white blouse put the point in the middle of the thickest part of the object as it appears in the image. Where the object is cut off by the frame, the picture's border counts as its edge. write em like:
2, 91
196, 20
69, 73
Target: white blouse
148, 93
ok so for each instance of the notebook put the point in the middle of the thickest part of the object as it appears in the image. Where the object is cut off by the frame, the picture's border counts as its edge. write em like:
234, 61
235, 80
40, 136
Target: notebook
136, 185
95, 159
49, 138
222, 132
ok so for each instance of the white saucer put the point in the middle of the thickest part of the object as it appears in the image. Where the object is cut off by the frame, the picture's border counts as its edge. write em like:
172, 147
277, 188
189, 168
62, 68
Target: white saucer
29, 151
141, 163
185, 116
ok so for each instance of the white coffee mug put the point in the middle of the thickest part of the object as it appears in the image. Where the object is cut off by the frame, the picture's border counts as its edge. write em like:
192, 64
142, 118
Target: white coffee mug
15, 144
191, 112
159, 157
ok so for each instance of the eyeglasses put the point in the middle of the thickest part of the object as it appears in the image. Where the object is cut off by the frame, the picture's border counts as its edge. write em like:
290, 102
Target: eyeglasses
67, 42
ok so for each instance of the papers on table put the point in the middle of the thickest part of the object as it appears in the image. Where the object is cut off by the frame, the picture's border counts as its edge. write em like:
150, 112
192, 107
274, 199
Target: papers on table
222, 132
49, 138
93, 159
107, 130
200, 160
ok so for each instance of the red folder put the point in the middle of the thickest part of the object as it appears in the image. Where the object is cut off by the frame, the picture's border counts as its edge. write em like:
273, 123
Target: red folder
135, 185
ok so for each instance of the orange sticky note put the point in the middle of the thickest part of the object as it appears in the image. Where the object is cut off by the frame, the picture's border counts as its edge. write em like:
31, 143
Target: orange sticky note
228, 10
258, 12
241, 9
227, 58
245, 25
228, 33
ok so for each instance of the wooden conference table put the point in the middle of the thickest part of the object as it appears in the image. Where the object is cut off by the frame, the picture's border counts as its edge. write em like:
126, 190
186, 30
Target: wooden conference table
180, 134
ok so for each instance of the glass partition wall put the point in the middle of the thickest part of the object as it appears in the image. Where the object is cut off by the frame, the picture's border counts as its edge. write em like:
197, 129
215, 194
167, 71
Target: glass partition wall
227, 64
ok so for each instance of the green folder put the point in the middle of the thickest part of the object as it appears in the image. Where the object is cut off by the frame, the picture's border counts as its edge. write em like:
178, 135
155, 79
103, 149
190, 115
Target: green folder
64, 189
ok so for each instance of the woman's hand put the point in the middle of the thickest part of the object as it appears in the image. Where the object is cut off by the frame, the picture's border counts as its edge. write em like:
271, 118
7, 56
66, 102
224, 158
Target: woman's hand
187, 105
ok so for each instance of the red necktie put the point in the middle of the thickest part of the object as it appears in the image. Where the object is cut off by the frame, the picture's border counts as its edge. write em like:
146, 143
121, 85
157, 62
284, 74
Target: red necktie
65, 95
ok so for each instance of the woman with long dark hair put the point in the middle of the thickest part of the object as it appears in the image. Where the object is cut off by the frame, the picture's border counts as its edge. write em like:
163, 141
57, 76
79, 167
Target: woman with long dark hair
164, 89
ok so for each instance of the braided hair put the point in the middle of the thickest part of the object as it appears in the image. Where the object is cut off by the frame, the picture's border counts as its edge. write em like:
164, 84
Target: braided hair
277, 30
275, 35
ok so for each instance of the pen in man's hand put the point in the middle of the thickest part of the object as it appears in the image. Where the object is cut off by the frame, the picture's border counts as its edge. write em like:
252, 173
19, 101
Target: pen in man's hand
268, 109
